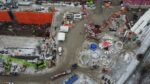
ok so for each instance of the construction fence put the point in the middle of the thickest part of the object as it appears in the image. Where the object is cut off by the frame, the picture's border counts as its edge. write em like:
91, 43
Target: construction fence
37, 18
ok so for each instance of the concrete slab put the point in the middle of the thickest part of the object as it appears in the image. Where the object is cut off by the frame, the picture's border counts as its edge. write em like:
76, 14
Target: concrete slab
21, 42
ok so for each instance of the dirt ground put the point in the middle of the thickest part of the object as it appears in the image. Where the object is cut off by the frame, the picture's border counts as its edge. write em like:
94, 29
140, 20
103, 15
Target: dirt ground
73, 42
12, 29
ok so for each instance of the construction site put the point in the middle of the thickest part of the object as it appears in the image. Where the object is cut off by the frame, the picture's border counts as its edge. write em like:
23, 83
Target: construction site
74, 41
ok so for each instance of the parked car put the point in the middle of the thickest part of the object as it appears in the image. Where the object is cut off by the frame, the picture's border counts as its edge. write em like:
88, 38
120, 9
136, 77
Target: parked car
74, 66
60, 51
60, 74
107, 80
77, 16
68, 16
8, 83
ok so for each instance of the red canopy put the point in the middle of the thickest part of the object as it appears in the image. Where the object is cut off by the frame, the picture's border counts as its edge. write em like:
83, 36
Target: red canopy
106, 44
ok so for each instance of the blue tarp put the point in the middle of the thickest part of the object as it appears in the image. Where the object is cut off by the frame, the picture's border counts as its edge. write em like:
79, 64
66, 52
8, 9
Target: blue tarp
93, 46
72, 79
